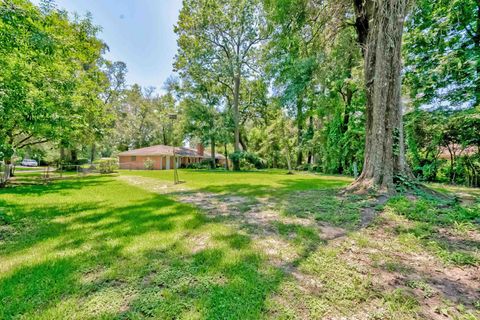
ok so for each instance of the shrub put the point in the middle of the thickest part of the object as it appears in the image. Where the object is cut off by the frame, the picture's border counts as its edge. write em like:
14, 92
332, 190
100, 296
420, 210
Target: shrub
148, 164
81, 161
204, 164
197, 165
236, 156
255, 160
248, 160
107, 165
304, 167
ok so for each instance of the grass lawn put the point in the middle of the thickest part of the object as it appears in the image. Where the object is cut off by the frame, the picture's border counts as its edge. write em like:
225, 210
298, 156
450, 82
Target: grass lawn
223, 245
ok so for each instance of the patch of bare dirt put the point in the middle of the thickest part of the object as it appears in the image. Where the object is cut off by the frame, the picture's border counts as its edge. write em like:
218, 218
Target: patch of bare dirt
261, 220
213, 205
198, 243
151, 184
94, 275
369, 213
261, 217
416, 271
462, 239
278, 250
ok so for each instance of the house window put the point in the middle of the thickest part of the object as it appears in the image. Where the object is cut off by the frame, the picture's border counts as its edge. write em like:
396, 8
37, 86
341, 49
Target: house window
133, 158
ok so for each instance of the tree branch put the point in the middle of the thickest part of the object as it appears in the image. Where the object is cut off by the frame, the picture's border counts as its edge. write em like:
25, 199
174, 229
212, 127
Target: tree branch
32, 143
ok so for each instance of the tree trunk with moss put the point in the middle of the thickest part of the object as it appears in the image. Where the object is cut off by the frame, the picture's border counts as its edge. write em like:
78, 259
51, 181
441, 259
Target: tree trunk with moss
380, 27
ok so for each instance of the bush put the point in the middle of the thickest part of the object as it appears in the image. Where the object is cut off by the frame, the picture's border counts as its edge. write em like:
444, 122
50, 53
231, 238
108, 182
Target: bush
304, 167
248, 160
197, 165
204, 164
236, 156
107, 165
255, 160
81, 161
148, 164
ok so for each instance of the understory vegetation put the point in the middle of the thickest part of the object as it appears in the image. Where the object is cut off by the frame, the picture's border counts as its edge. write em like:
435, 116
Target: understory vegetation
234, 245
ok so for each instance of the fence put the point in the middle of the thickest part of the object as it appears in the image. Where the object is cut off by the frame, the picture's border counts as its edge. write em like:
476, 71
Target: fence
25, 175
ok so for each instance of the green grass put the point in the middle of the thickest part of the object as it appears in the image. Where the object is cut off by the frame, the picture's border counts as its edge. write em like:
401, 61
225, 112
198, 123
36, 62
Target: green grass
98, 247
428, 219
88, 248
249, 184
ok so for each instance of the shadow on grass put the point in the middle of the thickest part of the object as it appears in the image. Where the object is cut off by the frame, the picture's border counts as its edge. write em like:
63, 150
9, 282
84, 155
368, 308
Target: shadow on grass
138, 251
26, 225
207, 285
57, 187
264, 190
33, 287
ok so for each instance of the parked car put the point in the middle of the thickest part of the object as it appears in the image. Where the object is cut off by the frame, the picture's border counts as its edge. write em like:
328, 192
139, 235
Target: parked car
29, 163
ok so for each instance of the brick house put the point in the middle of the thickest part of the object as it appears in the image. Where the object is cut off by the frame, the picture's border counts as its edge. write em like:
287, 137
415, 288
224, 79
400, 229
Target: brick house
162, 157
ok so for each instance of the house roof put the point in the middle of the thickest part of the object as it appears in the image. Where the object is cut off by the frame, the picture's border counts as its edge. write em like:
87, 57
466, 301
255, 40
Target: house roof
162, 150
459, 150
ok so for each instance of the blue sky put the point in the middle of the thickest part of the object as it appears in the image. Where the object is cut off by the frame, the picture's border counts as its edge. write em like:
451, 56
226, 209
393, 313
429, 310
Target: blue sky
138, 32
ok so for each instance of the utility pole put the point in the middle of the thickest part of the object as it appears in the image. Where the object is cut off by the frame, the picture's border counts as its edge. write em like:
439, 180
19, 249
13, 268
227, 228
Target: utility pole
173, 117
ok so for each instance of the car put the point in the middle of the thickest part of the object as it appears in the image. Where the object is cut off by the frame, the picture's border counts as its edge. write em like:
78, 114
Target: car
29, 163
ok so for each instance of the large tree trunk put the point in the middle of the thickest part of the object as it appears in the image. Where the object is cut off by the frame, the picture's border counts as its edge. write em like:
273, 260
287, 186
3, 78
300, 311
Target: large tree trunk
8, 172
73, 155
93, 150
213, 163
236, 120
242, 142
310, 130
226, 156
382, 51
299, 132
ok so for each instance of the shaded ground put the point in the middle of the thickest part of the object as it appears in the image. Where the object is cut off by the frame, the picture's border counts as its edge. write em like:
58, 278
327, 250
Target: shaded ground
233, 246
399, 275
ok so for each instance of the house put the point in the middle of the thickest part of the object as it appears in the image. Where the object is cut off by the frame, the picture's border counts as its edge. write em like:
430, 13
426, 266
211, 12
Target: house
456, 150
163, 157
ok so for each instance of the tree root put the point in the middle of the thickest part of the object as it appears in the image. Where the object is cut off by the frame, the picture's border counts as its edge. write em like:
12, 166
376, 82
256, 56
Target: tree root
405, 186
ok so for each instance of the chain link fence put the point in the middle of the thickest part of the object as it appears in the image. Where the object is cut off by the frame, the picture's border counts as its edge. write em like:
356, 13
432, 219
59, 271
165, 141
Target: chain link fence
33, 175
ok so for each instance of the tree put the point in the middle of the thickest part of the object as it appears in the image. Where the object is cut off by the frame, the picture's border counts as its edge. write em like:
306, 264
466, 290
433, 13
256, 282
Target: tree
314, 64
202, 121
225, 36
379, 26
143, 119
112, 96
442, 53
281, 134
50, 80
294, 56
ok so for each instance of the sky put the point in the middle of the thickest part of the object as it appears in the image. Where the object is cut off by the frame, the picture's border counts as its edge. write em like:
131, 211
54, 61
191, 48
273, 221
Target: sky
138, 32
